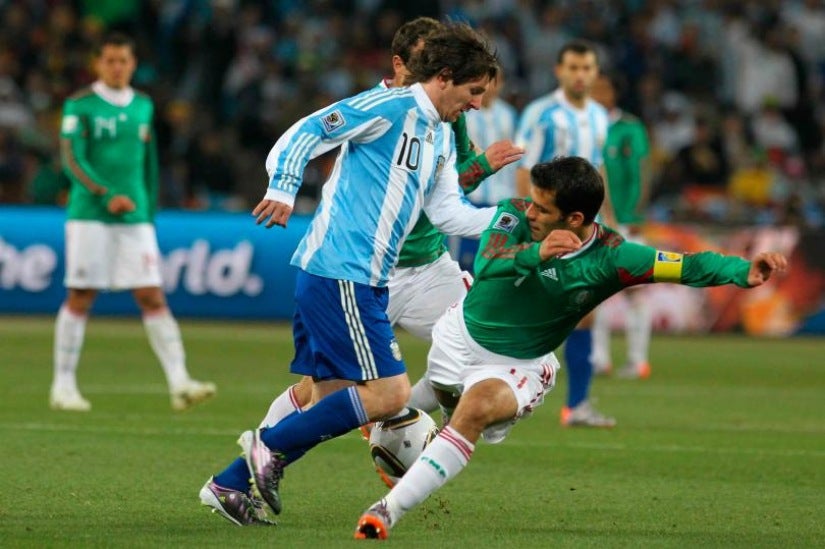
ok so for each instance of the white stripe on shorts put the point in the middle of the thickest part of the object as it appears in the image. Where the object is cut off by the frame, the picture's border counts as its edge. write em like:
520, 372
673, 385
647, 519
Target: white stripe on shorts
356, 330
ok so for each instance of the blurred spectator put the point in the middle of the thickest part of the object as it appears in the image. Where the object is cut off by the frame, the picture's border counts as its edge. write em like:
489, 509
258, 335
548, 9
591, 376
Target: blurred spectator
12, 188
675, 129
698, 174
773, 134
211, 181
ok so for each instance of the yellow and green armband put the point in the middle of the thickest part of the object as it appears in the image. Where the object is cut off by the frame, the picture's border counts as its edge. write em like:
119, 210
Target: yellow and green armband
667, 267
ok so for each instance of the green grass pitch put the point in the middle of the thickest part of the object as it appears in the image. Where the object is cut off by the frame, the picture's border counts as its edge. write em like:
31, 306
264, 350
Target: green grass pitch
723, 446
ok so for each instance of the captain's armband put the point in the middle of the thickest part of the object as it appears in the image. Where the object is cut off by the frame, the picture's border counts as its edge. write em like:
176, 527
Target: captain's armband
667, 267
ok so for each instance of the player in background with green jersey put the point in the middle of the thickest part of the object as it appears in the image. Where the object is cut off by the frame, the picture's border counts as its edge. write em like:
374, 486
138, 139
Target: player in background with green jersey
626, 161
108, 151
544, 264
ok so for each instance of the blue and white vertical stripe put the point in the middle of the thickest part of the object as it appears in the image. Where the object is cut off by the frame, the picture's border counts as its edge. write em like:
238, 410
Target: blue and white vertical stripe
485, 127
554, 127
393, 148
357, 331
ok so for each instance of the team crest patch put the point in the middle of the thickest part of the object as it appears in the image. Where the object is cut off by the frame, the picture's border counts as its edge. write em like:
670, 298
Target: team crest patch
668, 257
582, 298
333, 120
506, 222
70, 123
396, 349
439, 165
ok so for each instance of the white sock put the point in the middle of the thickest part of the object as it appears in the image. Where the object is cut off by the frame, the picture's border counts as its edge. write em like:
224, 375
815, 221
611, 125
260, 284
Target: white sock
69, 331
165, 339
443, 459
638, 328
600, 351
283, 405
422, 396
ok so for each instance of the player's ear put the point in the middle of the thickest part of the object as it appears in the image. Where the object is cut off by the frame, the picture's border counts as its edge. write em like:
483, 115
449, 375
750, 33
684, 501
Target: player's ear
574, 220
397, 64
445, 77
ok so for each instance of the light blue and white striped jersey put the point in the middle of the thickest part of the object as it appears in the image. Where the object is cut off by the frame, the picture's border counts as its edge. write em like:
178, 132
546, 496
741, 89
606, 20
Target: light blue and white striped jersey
486, 126
396, 158
552, 127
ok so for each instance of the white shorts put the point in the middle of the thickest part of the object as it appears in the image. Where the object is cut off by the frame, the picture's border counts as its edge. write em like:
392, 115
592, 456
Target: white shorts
456, 363
105, 256
420, 295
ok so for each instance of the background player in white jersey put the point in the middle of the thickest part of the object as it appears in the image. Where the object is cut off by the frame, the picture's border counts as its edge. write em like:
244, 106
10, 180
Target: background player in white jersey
426, 279
108, 152
397, 158
494, 122
570, 123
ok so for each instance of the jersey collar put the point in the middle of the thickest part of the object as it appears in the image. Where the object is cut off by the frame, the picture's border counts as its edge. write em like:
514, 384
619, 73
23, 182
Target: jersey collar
559, 96
586, 244
119, 98
425, 102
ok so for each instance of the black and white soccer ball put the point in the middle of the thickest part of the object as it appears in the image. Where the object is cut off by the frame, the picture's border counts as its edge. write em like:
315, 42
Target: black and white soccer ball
395, 444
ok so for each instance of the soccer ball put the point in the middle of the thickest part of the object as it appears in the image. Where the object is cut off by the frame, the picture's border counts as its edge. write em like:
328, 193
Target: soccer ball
395, 444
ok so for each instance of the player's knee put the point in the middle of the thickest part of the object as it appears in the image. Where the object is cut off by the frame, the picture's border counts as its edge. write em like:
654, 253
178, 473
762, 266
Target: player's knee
487, 403
388, 397
80, 301
150, 300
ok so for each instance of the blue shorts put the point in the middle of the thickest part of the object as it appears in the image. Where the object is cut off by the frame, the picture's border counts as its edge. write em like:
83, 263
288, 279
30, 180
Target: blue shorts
341, 331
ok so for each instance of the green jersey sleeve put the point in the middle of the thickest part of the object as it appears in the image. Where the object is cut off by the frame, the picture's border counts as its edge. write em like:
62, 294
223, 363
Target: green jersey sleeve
506, 248
74, 132
473, 168
639, 264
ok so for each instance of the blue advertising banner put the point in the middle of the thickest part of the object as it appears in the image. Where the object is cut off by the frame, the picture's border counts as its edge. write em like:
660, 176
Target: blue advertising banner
217, 265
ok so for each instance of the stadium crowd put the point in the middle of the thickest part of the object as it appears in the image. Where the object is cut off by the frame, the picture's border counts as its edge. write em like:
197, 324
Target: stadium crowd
731, 91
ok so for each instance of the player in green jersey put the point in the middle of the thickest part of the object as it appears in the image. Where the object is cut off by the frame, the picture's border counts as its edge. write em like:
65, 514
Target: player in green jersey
626, 161
108, 152
544, 264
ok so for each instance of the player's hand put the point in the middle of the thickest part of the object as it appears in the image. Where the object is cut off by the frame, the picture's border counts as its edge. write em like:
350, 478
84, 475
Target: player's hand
120, 204
559, 242
501, 153
764, 265
277, 212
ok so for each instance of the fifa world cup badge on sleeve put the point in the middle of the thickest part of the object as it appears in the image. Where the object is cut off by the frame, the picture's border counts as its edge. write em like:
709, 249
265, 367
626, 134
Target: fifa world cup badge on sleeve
667, 267
333, 121
506, 222
70, 123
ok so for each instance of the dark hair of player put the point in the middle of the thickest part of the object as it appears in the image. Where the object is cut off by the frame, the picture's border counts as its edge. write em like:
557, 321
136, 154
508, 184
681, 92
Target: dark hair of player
577, 185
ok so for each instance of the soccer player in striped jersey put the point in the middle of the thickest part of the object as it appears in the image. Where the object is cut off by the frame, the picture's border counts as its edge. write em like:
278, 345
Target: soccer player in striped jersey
426, 279
397, 158
108, 151
544, 264
626, 161
570, 123
495, 122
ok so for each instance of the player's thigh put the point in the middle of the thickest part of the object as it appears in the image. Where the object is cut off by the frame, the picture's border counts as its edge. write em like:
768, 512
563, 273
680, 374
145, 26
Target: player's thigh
136, 257
486, 402
89, 250
439, 285
528, 381
449, 353
345, 330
